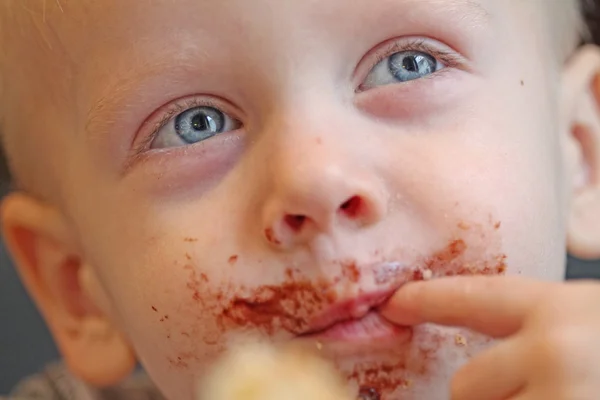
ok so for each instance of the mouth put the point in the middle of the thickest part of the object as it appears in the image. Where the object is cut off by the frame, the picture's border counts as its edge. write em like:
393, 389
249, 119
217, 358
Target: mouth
343, 309
355, 320
368, 328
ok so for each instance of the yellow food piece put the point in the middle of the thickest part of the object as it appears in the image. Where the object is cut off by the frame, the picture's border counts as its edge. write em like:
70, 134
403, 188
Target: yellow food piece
261, 372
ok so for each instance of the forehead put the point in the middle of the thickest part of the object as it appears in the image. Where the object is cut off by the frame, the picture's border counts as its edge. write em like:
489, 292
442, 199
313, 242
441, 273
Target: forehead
108, 46
100, 40
87, 30
217, 19
212, 20
81, 28
244, 11
98, 30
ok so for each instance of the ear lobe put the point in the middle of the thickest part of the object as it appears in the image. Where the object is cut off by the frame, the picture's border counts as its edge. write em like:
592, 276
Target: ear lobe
66, 290
96, 352
582, 94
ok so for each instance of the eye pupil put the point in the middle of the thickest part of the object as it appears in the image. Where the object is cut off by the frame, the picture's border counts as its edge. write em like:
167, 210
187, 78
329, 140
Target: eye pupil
204, 122
410, 64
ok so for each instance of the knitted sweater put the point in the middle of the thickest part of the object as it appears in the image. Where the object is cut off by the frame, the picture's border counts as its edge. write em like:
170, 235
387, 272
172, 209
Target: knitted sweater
55, 383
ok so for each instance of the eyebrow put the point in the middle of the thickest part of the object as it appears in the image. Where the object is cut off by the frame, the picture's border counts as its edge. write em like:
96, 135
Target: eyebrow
112, 100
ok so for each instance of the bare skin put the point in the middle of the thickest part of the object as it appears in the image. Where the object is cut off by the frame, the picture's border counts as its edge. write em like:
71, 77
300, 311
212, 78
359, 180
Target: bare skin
200, 172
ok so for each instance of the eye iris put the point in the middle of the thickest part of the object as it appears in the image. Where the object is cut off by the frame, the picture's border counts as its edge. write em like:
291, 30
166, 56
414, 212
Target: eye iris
412, 65
199, 124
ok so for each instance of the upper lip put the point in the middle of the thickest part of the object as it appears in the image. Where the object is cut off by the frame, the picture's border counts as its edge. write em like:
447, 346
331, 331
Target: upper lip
393, 274
349, 309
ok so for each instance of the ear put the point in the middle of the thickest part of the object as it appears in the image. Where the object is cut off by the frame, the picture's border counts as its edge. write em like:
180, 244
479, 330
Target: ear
66, 290
582, 121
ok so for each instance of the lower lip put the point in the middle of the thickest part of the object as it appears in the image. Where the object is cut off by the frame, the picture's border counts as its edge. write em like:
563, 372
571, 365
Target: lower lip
371, 327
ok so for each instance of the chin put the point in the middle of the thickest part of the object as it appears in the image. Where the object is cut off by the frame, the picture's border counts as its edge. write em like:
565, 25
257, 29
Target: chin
417, 367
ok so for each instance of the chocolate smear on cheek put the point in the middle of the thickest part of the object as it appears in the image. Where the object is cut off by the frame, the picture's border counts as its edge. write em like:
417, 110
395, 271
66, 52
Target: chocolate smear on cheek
454, 259
450, 262
188, 323
351, 272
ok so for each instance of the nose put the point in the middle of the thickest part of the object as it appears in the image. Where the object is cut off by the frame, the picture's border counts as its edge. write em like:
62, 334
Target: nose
319, 187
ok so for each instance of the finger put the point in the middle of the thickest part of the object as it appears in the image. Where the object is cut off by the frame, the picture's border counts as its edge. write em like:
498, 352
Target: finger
493, 375
494, 306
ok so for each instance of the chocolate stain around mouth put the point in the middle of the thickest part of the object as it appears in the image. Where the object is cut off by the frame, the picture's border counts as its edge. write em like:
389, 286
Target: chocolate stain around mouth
289, 307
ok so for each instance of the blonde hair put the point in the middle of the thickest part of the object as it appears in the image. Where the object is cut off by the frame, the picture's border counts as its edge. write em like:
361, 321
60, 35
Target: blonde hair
22, 21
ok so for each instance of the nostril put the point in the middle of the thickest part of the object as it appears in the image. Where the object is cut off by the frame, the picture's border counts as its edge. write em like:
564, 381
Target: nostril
295, 222
352, 207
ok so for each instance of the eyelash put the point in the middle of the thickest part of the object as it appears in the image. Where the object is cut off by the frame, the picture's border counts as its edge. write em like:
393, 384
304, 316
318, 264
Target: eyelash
449, 58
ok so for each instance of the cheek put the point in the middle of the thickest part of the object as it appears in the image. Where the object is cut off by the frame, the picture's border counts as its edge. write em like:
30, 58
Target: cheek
172, 311
515, 181
166, 304
477, 167
163, 272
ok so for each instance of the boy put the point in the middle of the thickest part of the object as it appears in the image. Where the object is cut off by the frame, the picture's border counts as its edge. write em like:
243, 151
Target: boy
193, 173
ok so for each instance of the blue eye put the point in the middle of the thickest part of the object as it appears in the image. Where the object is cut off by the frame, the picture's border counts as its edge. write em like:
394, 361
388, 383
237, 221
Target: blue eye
401, 67
194, 125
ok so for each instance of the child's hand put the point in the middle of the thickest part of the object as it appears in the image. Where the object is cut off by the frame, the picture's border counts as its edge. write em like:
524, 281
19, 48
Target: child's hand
550, 331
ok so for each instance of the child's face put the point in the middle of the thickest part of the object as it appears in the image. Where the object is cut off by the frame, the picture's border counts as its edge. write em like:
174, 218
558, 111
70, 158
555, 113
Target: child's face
266, 167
